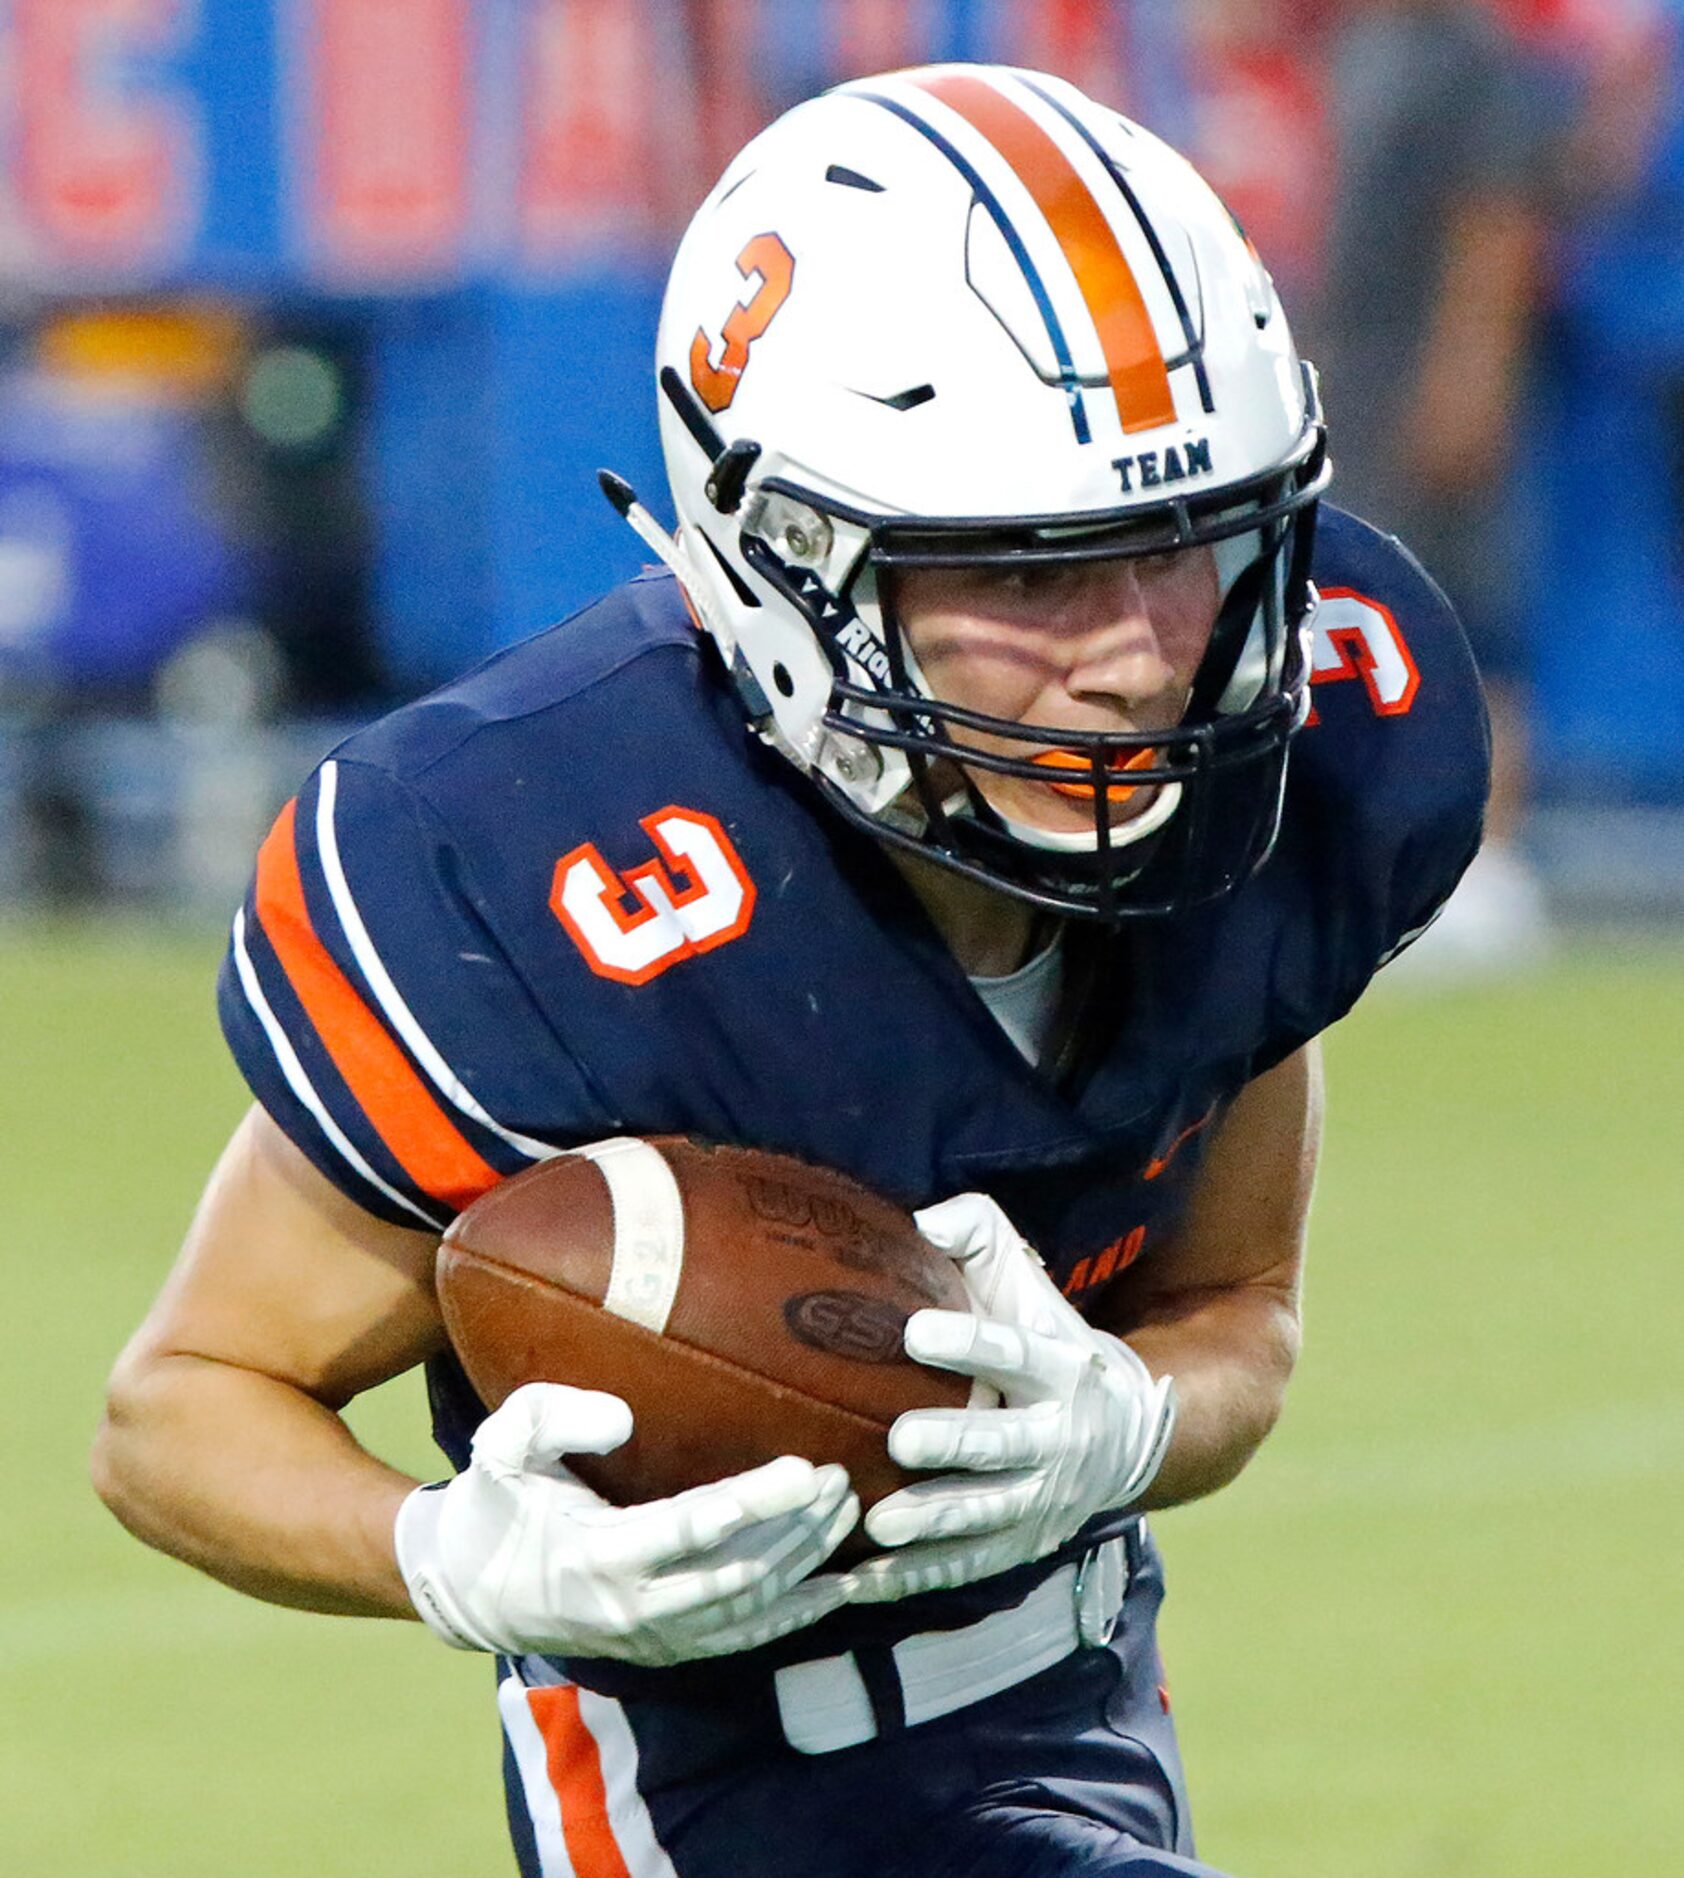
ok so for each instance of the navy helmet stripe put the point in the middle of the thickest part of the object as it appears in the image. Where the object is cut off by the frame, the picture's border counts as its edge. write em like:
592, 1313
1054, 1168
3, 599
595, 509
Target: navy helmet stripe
1061, 350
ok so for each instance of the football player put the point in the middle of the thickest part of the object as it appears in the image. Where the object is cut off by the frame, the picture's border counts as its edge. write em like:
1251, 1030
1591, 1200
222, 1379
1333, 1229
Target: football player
950, 808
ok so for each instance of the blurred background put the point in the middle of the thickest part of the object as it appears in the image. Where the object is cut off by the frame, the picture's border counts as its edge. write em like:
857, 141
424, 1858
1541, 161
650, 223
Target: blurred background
317, 318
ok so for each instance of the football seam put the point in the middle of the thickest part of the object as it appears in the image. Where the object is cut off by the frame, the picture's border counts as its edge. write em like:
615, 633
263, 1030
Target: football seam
712, 1357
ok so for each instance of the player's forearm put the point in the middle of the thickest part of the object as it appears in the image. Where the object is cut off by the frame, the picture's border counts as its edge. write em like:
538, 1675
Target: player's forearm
1231, 1353
253, 1482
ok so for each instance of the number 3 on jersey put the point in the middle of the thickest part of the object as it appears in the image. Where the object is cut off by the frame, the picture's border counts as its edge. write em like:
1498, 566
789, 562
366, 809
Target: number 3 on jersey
669, 922
1356, 637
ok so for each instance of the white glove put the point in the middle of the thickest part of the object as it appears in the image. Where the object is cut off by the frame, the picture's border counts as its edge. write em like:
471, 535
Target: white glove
1082, 1430
516, 1554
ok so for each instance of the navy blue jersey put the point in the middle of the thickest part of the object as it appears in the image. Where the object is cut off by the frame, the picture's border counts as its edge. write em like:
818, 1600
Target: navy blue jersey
570, 896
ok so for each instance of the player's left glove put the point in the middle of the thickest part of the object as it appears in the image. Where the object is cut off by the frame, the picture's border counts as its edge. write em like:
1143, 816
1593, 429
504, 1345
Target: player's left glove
517, 1554
1082, 1427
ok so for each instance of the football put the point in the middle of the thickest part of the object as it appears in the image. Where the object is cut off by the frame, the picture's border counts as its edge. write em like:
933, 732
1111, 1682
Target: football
744, 1304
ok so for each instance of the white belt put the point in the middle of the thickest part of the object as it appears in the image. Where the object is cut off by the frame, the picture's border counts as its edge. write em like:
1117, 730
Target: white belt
825, 1705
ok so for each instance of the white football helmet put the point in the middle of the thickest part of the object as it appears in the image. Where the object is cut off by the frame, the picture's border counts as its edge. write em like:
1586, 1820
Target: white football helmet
965, 315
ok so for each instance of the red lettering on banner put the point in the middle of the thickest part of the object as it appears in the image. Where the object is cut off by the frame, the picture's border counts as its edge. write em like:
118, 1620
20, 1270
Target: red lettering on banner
587, 161
725, 41
388, 116
1077, 39
880, 35
105, 177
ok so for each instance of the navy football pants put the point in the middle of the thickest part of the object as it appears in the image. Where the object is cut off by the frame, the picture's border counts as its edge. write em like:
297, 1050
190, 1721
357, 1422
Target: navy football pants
1072, 1774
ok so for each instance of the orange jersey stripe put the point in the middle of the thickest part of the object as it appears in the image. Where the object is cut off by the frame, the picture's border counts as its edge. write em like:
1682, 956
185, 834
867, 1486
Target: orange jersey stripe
1133, 358
575, 1770
419, 1134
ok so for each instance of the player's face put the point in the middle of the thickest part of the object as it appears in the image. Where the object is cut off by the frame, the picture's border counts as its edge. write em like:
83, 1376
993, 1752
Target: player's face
1086, 645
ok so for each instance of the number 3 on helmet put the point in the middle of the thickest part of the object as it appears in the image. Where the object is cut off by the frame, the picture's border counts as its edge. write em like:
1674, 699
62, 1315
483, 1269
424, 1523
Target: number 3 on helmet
965, 315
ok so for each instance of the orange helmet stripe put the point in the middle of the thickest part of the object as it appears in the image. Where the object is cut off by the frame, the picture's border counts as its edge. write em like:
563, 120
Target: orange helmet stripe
1133, 358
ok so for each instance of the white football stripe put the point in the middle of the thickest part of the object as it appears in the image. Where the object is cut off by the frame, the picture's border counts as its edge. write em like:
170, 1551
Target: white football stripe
648, 1230
300, 1083
628, 1814
532, 1759
391, 1001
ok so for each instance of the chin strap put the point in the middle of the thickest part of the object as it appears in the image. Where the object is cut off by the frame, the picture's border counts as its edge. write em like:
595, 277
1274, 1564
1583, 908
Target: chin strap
673, 553
1084, 841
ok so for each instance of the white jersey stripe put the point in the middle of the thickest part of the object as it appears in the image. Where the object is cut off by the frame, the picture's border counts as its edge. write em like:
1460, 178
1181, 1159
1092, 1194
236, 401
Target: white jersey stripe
628, 1813
300, 1083
391, 1001
532, 1761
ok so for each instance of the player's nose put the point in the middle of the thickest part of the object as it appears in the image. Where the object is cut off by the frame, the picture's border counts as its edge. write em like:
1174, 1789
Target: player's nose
1116, 653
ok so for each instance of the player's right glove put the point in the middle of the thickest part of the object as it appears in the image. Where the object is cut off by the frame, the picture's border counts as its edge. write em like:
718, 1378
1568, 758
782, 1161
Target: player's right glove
1080, 1427
515, 1554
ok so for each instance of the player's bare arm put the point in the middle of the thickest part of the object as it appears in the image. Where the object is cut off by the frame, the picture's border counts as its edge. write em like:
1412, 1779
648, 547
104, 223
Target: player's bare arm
1218, 1307
222, 1443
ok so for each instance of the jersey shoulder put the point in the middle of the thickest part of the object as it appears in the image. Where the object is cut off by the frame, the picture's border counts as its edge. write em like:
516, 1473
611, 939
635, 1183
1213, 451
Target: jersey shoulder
1388, 778
631, 644
1397, 729
390, 991
1384, 624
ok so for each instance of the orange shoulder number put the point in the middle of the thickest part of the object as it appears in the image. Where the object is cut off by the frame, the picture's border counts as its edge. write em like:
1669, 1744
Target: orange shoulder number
634, 925
1356, 637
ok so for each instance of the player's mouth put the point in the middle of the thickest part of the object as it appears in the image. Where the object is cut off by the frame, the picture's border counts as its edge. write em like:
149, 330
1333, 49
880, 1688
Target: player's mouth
1115, 793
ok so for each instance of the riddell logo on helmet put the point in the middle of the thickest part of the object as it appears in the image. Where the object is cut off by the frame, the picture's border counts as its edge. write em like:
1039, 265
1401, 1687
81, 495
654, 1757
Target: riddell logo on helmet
856, 640
1164, 466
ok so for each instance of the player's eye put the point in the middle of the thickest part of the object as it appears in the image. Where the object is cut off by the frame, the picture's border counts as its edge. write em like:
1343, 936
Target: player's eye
1040, 580
1156, 566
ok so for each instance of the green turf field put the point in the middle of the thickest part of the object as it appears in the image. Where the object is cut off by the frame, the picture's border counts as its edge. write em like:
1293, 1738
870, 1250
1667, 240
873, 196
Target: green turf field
1434, 1633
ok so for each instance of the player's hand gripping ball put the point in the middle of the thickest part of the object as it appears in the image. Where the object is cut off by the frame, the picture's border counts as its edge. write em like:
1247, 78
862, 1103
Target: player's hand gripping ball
517, 1554
1078, 1426
744, 1305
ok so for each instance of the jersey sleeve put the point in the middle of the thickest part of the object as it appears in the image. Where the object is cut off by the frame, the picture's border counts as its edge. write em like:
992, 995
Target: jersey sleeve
375, 1015
1441, 772
1393, 767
